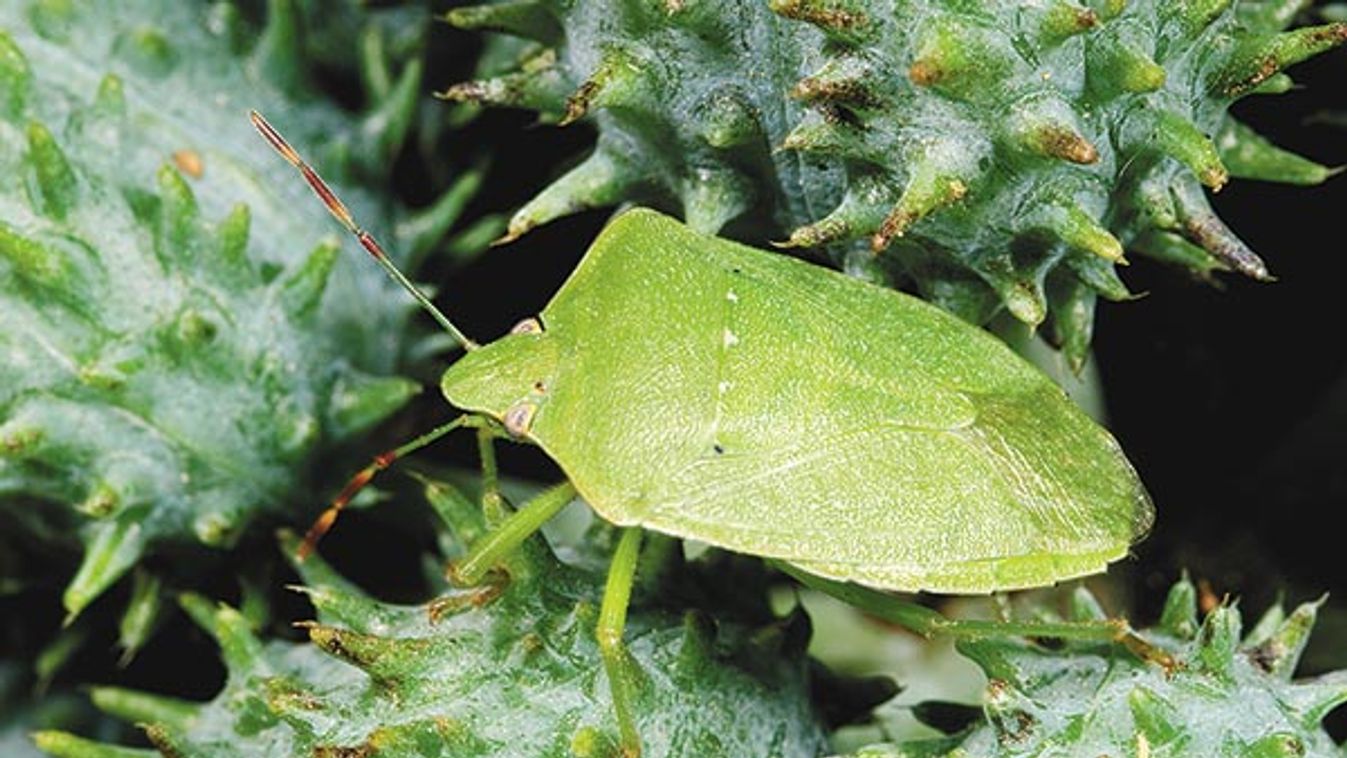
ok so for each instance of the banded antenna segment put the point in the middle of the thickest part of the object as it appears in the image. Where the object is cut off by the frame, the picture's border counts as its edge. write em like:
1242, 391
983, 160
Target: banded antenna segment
343, 214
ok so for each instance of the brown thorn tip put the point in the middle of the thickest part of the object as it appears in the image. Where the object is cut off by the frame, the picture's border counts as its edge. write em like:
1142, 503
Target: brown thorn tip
463, 92
924, 73
510, 236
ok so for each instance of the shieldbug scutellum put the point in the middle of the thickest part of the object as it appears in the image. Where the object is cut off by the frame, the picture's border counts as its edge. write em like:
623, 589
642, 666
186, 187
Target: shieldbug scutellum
703, 389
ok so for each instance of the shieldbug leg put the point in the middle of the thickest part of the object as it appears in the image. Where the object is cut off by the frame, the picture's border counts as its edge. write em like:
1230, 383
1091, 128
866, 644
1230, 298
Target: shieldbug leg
494, 510
487, 553
623, 675
327, 518
494, 507
931, 623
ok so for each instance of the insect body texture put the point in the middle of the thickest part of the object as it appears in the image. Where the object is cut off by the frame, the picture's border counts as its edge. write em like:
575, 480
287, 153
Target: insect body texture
704, 389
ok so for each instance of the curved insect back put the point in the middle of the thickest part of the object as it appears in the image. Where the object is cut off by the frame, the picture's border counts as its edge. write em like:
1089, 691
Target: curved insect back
511, 677
704, 389
1000, 157
165, 332
1226, 695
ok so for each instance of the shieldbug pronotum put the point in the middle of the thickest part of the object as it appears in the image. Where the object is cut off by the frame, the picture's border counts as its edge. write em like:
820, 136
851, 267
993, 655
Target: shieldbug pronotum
703, 389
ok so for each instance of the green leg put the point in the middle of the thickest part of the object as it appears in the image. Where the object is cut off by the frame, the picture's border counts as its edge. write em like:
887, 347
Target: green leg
488, 552
930, 623
475, 576
623, 677
493, 505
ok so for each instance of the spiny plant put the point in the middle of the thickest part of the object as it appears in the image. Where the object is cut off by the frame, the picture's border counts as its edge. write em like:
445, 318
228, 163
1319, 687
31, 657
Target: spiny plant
1332, 12
175, 355
1001, 155
1221, 696
333, 29
513, 677
21, 712
377, 53
301, 39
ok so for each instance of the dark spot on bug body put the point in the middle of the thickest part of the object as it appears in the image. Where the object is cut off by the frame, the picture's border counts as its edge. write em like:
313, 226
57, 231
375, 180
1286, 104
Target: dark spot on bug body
719, 448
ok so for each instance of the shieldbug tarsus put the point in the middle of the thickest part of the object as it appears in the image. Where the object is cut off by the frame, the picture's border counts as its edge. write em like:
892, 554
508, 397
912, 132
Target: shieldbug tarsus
856, 436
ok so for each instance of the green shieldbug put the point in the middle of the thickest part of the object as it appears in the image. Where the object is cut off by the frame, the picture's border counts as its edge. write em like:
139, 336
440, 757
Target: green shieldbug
703, 389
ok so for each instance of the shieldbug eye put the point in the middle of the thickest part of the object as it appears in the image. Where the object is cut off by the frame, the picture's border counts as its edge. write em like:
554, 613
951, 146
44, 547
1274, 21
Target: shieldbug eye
527, 326
519, 418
